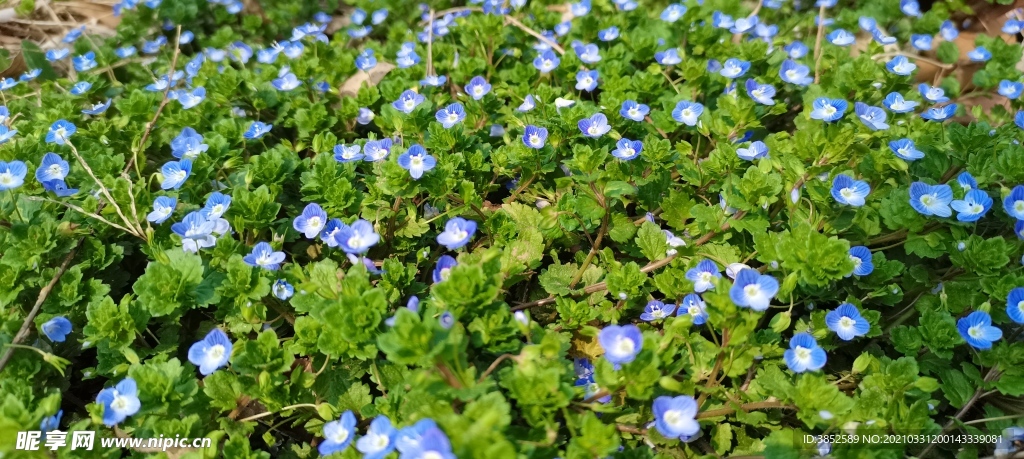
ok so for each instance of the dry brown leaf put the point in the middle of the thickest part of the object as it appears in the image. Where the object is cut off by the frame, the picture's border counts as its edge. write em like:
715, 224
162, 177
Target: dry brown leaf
351, 86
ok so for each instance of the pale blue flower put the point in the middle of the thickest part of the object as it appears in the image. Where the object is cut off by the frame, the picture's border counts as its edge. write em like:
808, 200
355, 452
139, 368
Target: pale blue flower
896, 103
634, 111
56, 329
847, 191
756, 150
676, 417
828, 110
408, 101
621, 344
457, 233
626, 149
477, 87
257, 130
931, 199
416, 161
703, 275
872, 117
804, 354
211, 352
978, 331
163, 207
119, 402
973, 206
687, 112
595, 126
338, 435
357, 238
753, 290
794, 73
586, 80
535, 137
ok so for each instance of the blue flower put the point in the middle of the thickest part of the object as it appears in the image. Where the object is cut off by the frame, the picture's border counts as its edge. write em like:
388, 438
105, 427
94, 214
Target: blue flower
883, 40
804, 354
1012, 26
862, 261
346, 154
451, 115
85, 62
896, 103
590, 388
753, 290
931, 199
535, 137
257, 130
408, 101
721, 20
57, 329
51, 422
795, 50
338, 434
80, 88
703, 275
766, 32
588, 54
760, 93
900, 65
973, 206
841, 37
547, 61
434, 80
756, 150
119, 402
595, 126
676, 417
282, 289
52, 167
621, 344
828, 110
939, 113
163, 207
424, 440
357, 238
910, 8
477, 88
673, 12
216, 205
626, 149
694, 306
966, 181
872, 117
608, 34
687, 112
1010, 89
7, 83
978, 331
1018, 119
60, 131
668, 57
905, 149
586, 80
366, 61
264, 256
921, 42
174, 174
446, 320
377, 150
657, 310
1013, 204
743, 25
97, 108
633, 111
196, 232
211, 352
58, 54
286, 80
847, 322
311, 222
794, 73
32, 74
188, 144
933, 94
734, 68
979, 54
457, 233
379, 440
1015, 305
850, 192
416, 161
443, 268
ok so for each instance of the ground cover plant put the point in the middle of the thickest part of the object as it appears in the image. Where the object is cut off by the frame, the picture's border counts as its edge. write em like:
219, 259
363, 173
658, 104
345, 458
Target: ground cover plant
518, 229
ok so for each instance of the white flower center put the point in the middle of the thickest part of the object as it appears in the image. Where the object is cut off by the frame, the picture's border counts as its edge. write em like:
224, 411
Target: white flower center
119, 403
634, 112
453, 117
693, 310
976, 208
673, 417
356, 241
975, 331
416, 161
445, 273
829, 110
846, 322
1018, 206
846, 193
625, 346
216, 352
535, 139
791, 74
751, 291
313, 222
592, 130
927, 200
687, 113
340, 436
802, 353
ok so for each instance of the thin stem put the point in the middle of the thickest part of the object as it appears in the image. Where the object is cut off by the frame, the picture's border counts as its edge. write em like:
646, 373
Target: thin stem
159, 109
103, 189
524, 28
268, 413
494, 365
26, 325
817, 44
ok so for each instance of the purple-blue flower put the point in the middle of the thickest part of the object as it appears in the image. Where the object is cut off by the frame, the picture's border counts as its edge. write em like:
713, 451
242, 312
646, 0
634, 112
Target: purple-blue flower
264, 256
457, 233
211, 352
753, 290
657, 310
595, 126
621, 344
978, 331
